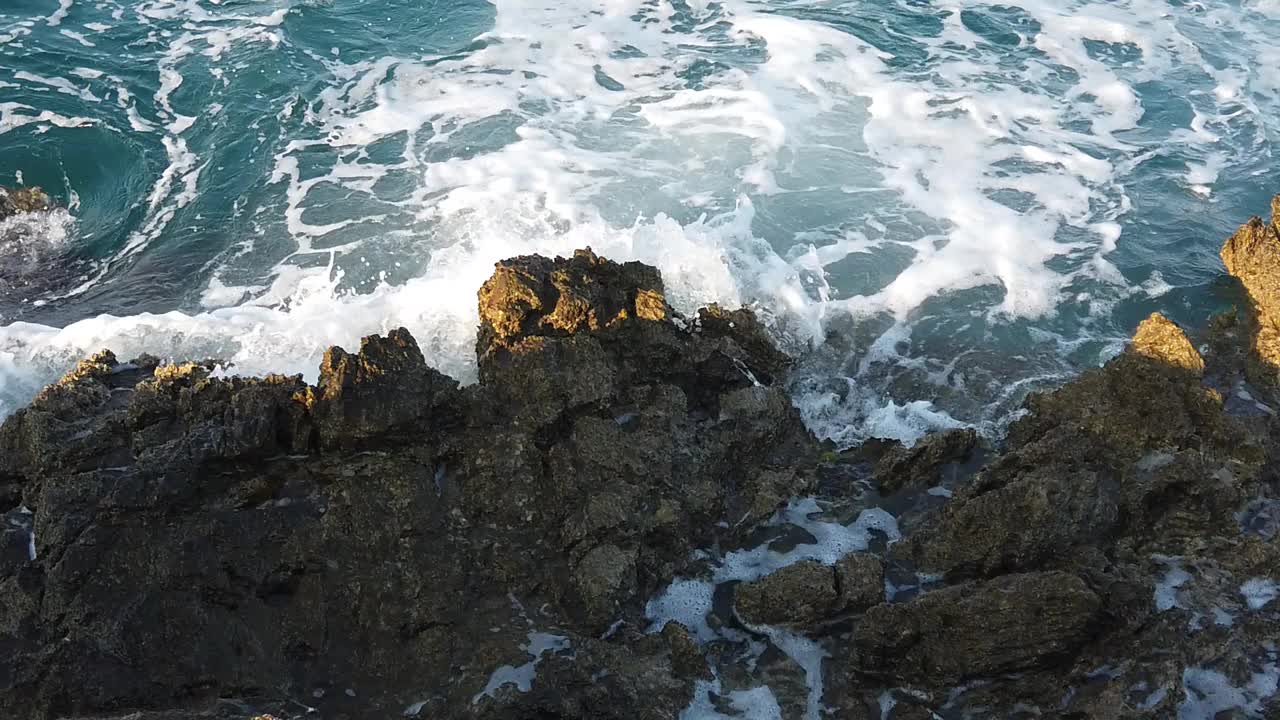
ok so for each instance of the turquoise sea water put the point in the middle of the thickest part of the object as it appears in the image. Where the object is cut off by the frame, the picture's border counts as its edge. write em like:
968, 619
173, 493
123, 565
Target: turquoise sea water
938, 205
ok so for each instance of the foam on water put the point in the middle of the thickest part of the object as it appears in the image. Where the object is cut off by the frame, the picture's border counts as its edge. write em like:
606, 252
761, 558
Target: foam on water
1165, 593
1259, 592
691, 601
754, 704
1208, 693
953, 182
832, 541
29, 242
687, 602
522, 677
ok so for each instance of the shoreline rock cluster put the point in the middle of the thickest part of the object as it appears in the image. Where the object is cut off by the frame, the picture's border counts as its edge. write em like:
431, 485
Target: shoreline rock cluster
386, 543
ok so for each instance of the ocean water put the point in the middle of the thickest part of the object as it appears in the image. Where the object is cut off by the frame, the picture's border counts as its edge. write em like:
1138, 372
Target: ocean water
937, 205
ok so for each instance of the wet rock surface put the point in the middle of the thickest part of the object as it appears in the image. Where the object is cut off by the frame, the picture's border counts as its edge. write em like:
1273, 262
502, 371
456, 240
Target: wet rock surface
22, 200
385, 540
1009, 624
800, 594
625, 518
1251, 255
918, 467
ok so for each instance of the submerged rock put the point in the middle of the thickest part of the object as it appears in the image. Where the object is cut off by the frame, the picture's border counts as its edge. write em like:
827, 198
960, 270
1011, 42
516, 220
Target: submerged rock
37, 258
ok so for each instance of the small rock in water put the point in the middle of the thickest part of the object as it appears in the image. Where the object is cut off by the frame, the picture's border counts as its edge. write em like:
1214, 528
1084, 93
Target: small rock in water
14, 201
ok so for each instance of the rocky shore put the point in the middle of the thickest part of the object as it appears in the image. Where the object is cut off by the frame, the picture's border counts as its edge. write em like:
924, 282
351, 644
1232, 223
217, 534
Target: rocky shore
626, 518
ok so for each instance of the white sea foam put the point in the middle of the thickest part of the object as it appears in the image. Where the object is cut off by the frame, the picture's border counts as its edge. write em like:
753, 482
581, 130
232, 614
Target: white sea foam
690, 602
756, 703
62, 85
64, 9
522, 676
687, 602
29, 242
1208, 693
1165, 594
1259, 592
78, 37
992, 170
832, 541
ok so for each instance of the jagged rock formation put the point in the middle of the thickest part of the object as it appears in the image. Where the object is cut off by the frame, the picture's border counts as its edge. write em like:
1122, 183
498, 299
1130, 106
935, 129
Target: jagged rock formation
385, 539
388, 543
1052, 557
1252, 255
918, 466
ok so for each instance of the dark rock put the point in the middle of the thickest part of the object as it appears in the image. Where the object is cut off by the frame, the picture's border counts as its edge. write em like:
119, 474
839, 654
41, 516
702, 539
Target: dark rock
605, 577
1039, 515
917, 467
386, 387
1087, 466
541, 326
687, 659
1133, 461
1160, 339
860, 578
1113, 407
744, 329
15, 541
637, 677
388, 544
1010, 624
565, 335
533, 296
337, 546
38, 439
808, 593
798, 595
